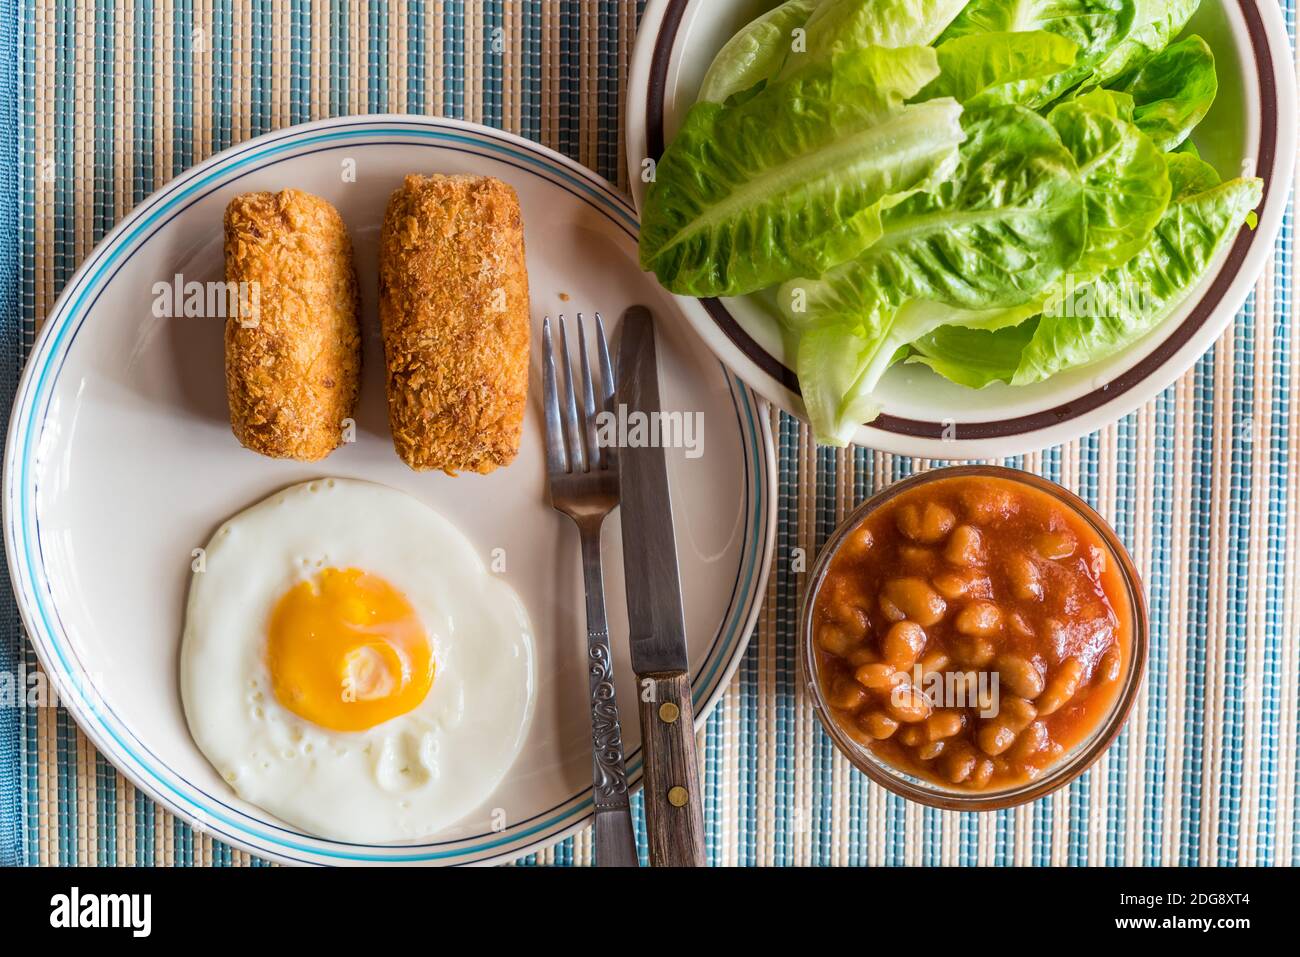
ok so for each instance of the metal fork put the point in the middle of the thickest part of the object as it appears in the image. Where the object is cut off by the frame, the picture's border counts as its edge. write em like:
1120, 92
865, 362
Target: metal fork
584, 485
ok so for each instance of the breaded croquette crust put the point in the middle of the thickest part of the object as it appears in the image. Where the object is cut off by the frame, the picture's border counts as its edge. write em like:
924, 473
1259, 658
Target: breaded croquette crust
292, 368
453, 301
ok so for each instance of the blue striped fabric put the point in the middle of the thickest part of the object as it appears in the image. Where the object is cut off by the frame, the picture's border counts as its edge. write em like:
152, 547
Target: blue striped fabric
105, 101
11, 360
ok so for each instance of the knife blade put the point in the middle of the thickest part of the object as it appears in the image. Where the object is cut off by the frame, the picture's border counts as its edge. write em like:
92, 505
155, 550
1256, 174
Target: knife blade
654, 590
656, 628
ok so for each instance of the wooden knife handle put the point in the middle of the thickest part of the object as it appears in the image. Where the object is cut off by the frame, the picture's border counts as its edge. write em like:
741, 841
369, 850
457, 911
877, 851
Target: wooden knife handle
674, 819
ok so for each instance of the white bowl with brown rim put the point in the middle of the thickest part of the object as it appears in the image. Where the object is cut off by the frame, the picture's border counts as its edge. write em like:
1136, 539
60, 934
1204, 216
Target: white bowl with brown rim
1251, 130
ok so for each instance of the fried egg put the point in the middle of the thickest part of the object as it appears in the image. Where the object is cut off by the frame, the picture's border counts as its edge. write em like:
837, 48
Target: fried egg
350, 665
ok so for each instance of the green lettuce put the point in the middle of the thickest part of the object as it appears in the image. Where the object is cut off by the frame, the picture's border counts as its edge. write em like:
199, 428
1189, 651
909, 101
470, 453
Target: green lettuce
794, 180
990, 69
1173, 91
1007, 222
1189, 175
1123, 305
756, 53
839, 25
1125, 176
974, 357
1095, 27
1155, 25
1098, 319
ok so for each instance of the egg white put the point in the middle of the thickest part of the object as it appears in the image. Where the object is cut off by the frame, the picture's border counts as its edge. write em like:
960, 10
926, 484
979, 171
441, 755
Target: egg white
410, 776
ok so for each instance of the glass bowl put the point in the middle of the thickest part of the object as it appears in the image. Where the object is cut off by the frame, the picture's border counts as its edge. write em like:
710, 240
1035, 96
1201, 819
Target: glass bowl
1069, 766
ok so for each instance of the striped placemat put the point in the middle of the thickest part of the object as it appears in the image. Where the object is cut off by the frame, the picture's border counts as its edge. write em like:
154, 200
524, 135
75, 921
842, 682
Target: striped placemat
107, 99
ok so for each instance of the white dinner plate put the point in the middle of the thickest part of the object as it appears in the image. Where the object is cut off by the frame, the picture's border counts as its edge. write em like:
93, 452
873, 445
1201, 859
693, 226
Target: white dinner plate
1250, 131
121, 461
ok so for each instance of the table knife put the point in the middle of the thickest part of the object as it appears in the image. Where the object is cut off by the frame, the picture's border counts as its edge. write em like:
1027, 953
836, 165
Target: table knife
674, 820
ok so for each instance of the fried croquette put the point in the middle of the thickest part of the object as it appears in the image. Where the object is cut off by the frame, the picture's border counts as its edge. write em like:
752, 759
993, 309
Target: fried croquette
453, 302
293, 359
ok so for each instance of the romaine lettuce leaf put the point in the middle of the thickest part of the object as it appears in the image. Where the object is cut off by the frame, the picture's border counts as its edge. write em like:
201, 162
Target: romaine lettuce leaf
1155, 25
1125, 177
1173, 91
1126, 190
1189, 175
990, 237
839, 25
755, 53
1009, 220
793, 180
1114, 311
974, 358
1096, 27
989, 69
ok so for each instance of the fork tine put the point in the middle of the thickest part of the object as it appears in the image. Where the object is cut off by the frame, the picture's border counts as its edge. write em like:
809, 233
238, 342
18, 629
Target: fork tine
556, 460
608, 456
588, 399
577, 458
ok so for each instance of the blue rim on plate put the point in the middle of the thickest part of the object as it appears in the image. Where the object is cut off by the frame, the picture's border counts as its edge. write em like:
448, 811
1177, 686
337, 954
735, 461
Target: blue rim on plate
102, 725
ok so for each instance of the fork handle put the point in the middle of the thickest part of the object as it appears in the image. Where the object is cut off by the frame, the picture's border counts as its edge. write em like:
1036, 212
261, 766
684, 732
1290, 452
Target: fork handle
674, 820
615, 844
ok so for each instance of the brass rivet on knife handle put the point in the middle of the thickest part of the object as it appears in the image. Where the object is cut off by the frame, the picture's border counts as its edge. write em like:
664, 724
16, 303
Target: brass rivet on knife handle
678, 796
668, 713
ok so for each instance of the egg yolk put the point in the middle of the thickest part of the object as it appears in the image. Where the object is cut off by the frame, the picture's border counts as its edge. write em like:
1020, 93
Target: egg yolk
347, 651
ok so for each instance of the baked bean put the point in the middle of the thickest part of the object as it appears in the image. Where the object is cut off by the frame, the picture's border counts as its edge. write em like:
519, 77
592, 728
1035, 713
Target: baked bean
890, 610
878, 724
912, 735
1016, 713
862, 655
1061, 687
928, 523
994, 738
943, 724
917, 557
908, 704
1111, 661
847, 695
951, 585
1020, 675
859, 541
979, 618
973, 652
1058, 638
851, 616
1023, 577
903, 644
965, 546
930, 750
915, 599
981, 775
908, 520
1020, 625
1029, 742
835, 639
934, 660
958, 764
1055, 545
985, 504
879, 677
856, 733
